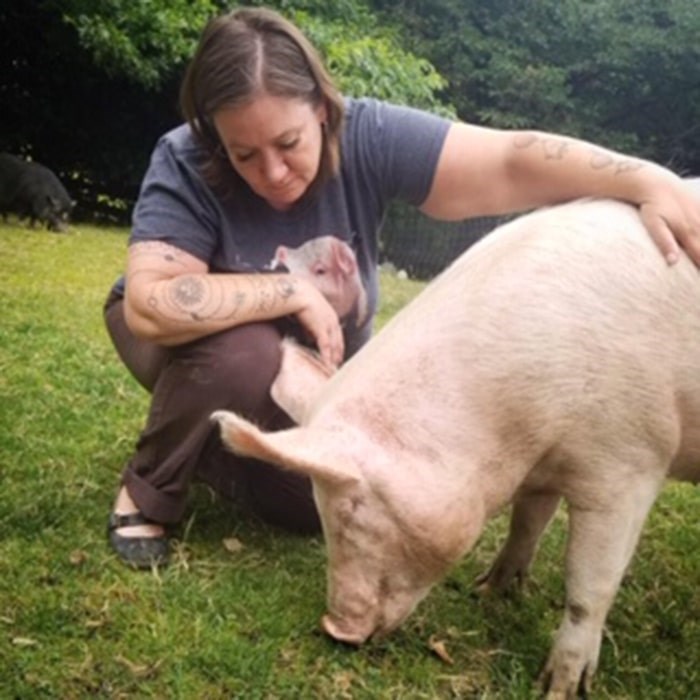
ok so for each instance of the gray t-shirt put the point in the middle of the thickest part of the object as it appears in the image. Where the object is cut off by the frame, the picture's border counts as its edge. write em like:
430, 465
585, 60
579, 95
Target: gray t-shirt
387, 152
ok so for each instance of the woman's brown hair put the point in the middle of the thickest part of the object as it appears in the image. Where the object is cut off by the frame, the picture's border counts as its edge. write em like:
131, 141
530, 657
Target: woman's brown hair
249, 51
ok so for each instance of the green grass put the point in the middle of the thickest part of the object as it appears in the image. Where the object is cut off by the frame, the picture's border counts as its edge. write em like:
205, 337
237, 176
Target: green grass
74, 623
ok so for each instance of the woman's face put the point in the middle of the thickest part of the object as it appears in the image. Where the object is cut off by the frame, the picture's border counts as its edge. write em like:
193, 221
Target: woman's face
274, 143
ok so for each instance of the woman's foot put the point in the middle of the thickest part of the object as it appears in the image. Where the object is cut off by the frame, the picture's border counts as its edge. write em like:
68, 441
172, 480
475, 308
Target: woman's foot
138, 541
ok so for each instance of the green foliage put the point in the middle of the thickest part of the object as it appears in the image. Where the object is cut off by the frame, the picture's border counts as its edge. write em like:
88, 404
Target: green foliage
143, 40
616, 64
370, 62
89, 86
107, 74
95, 130
225, 623
146, 41
619, 72
365, 57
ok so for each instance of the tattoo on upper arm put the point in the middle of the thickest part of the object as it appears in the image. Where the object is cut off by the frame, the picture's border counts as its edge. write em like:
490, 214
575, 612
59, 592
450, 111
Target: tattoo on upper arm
152, 256
157, 250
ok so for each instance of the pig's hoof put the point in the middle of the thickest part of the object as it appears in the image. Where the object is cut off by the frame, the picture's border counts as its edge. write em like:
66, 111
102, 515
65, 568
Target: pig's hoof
564, 684
500, 579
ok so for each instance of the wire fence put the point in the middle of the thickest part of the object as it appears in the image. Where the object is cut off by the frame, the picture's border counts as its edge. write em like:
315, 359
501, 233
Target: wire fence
423, 247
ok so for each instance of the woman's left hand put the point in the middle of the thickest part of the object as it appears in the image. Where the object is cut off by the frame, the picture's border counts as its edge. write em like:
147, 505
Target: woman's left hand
486, 172
672, 218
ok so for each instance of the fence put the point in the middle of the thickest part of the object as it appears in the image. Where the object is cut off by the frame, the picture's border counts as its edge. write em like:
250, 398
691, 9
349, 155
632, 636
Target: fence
422, 246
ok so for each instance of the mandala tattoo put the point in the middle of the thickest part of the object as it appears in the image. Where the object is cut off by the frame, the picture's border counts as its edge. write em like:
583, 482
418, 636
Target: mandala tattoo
189, 291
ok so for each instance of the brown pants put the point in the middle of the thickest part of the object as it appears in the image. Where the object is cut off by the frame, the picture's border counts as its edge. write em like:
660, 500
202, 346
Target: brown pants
230, 370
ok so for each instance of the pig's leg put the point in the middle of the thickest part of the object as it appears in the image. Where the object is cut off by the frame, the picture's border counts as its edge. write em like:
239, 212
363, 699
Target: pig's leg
602, 540
530, 516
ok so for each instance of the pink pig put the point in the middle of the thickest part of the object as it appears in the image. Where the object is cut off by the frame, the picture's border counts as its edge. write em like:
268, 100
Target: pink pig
331, 265
559, 357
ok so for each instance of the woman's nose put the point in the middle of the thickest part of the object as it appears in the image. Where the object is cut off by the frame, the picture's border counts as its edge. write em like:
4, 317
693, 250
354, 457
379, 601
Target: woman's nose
274, 168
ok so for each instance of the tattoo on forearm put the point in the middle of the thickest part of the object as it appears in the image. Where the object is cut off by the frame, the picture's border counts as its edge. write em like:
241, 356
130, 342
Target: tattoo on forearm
239, 298
285, 288
553, 147
205, 298
188, 291
556, 148
264, 294
601, 160
187, 296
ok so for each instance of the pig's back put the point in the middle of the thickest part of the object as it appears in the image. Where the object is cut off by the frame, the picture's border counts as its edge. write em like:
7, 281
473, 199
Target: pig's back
577, 276
567, 315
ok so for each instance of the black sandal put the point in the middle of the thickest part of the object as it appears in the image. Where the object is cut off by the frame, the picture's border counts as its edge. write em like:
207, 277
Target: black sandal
139, 552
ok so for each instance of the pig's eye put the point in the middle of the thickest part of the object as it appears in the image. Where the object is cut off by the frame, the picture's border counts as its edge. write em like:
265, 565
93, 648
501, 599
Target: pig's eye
319, 271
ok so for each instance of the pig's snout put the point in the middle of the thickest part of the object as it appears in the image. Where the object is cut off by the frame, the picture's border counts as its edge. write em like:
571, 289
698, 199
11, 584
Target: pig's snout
342, 632
58, 225
357, 633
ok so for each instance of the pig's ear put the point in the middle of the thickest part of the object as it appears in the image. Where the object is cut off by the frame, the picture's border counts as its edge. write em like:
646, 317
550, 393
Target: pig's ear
301, 377
344, 257
298, 449
281, 255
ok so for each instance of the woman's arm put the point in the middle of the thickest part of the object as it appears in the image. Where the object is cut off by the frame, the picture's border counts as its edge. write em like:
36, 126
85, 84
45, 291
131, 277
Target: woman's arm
172, 298
485, 171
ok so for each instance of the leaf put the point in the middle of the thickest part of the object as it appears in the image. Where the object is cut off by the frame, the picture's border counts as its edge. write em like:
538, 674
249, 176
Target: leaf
438, 647
78, 557
232, 545
139, 670
342, 682
24, 642
95, 624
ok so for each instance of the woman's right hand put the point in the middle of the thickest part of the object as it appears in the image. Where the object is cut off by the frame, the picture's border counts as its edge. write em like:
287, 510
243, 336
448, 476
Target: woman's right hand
172, 298
321, 322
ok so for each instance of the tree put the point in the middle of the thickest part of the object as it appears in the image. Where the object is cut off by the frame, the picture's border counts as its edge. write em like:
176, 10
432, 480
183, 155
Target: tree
146, 41
143, 40
620, 72
88, 87
366, 58
94, 127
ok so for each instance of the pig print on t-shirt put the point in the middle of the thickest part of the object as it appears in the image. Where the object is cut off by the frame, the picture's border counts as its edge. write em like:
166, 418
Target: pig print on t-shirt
331, 265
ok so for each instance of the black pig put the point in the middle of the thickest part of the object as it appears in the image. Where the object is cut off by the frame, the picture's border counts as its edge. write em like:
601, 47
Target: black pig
33, 191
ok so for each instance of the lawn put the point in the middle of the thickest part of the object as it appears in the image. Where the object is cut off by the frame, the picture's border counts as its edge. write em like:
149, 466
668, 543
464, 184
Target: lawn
236, 614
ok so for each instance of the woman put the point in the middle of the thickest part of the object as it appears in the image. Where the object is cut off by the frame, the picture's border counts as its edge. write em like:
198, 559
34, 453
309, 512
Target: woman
259, 218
